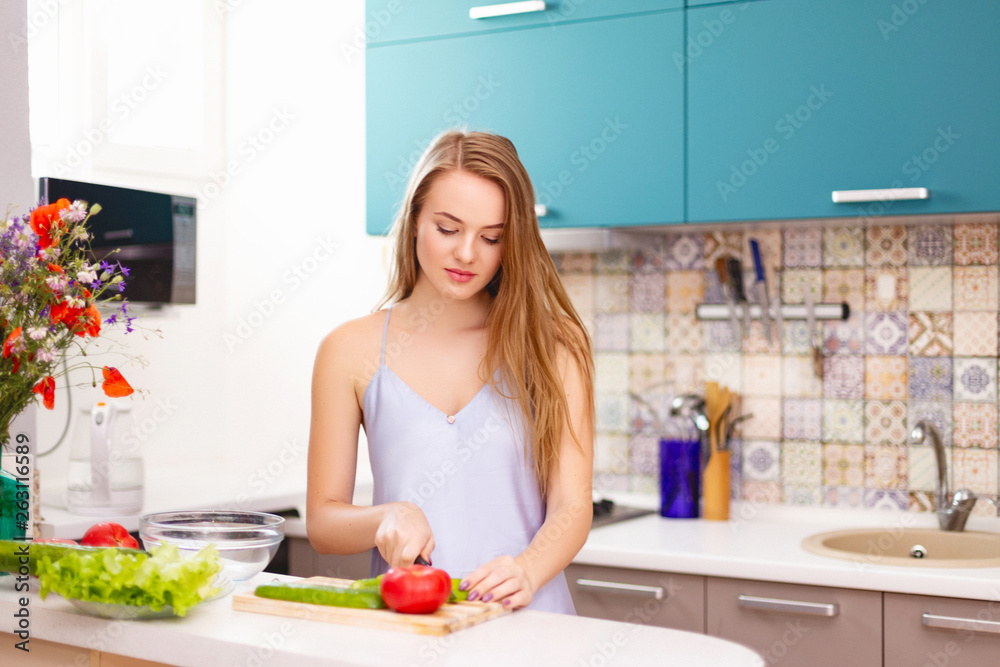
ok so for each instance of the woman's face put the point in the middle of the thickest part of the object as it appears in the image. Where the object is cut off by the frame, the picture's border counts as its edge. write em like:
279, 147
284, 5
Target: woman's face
460, 234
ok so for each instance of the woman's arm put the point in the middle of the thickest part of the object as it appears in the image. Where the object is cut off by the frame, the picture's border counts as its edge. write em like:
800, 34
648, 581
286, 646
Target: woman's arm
333, 523
569, 511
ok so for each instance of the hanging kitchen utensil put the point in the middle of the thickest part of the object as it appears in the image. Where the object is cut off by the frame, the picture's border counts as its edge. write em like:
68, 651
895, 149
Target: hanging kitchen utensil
722, 269
814, 336
739, 294
760, 288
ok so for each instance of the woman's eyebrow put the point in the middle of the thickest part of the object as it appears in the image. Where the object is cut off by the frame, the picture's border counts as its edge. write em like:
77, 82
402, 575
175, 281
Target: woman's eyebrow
459, 220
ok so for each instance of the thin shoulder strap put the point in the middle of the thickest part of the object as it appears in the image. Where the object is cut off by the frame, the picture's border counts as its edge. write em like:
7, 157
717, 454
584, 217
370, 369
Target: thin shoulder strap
385, 330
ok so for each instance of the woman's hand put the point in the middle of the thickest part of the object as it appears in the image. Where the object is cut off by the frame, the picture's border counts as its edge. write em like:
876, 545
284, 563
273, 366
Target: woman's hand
503, 580
403, 534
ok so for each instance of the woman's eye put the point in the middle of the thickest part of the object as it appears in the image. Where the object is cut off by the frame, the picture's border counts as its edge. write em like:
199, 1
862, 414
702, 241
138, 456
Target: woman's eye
491, 241
446, 232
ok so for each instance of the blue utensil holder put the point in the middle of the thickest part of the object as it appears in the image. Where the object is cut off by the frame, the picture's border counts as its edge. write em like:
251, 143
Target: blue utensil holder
680, 472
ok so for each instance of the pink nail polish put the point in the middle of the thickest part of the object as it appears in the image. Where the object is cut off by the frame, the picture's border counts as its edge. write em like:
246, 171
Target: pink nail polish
487, 597
473, 595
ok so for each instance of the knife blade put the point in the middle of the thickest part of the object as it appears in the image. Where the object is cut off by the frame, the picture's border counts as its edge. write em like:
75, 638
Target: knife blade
722, 268
760, 286
736, 279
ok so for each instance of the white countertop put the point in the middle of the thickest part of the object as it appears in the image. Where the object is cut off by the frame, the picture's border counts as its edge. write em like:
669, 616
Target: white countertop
764, 543
235, 637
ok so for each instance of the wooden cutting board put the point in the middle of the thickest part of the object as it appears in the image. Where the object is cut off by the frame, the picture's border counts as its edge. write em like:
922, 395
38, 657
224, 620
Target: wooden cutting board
451, 617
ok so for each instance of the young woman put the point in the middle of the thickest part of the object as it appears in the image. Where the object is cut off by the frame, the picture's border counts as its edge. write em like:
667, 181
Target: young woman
474, 387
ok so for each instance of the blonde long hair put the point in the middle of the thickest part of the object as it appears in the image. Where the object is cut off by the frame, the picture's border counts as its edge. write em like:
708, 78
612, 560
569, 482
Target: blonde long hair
530, 316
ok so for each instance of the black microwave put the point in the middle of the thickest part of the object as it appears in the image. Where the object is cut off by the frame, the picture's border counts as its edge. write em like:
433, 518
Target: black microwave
155, 235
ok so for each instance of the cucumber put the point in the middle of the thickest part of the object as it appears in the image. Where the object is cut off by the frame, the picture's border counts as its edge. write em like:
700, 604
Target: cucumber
327, 595
373, 585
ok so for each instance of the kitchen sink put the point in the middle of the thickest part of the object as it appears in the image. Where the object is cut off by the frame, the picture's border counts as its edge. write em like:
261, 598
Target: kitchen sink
911, 547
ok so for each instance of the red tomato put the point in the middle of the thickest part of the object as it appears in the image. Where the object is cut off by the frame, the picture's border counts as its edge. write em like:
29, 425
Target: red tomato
416, 589
108, 534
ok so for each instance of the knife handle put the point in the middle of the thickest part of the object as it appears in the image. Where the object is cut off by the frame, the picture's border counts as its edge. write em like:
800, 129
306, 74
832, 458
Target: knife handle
758, 266
736, 279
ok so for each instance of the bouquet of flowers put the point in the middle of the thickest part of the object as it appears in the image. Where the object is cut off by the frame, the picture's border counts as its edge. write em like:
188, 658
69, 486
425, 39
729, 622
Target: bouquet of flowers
50, 289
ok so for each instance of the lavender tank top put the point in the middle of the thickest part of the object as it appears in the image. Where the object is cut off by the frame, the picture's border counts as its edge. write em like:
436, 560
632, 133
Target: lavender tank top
467, 472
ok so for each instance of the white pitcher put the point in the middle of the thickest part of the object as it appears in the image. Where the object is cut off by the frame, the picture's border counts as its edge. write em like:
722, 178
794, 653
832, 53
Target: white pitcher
105, 474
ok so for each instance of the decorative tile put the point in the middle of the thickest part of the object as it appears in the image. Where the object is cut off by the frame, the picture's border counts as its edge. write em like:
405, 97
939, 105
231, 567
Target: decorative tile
803, 247
976, 243
802, 419
796, 339
976, 288
761, 461
844, 377
611, 293
804, 495
687, 372
922, 471
802, 464
720, 244
930, 378
798, 379
720, 337
920, 501
610, 483
612, 261
845, 286
844, 465
761, 375
937, 413
931, 289
757, 343
885, 423
769, 241
644, 454
611, 372
843, 421
723, 367
610, 454
612, 412
885, 333
648, 292
975, 425
684, 333
886, 290
794, 283
762, 493
844, 336
646, 371
885, 245
646, 485
976, 470
885, 467
766, 422
975, 334
930, 245
684, 252
686, 289
580, 288
647, 332
975, 379
650, 258
576, 262
844, 246
843, 497
611, 332
885, 378
886, 500
930, 334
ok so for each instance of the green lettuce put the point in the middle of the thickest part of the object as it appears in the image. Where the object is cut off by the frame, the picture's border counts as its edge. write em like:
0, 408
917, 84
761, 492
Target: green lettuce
114, 576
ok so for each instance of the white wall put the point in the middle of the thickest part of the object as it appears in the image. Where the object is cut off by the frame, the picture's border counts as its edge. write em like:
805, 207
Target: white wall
15, 148
228, 382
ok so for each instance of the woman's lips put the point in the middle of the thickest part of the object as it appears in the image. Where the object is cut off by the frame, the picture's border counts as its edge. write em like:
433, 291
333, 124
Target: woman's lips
460, 276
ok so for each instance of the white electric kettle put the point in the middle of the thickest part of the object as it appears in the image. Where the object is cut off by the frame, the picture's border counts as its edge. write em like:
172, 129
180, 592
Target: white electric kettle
105, 474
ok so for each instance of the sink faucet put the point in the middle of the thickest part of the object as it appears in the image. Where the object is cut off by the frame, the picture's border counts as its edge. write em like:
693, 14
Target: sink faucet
952, 512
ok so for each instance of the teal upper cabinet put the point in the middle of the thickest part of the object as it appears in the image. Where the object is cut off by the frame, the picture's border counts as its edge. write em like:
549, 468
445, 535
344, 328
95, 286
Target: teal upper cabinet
595, 108
789, 101
401, 20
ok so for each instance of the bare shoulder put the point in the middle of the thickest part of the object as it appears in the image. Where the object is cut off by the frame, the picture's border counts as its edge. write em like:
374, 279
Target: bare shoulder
353, 348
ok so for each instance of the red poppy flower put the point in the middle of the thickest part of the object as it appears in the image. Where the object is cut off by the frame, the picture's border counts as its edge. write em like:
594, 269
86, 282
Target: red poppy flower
63, 313
47, 388
8, 344
55, 268
44, 218
115, 386
90, 323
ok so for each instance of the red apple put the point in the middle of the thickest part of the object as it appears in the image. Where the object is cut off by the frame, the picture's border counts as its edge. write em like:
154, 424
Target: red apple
108, 534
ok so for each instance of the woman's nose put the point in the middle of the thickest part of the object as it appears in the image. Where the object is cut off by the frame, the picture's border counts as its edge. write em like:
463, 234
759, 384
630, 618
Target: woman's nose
466, 250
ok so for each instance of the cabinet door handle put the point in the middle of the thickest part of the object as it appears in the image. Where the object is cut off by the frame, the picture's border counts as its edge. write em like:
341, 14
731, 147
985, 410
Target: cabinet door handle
506, 9
655, 592
955, 623
541, 210
888, 194
792, 606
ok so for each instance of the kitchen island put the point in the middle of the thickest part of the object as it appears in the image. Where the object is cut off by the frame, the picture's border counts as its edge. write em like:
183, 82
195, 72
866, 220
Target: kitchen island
214, 634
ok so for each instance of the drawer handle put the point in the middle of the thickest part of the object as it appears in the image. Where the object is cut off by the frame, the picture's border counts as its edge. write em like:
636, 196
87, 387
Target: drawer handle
541, 210
655, 592
506, 9
888, 194
955, 623
793, 606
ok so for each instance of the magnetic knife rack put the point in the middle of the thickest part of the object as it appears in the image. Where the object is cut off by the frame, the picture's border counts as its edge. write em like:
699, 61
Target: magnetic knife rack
789, 311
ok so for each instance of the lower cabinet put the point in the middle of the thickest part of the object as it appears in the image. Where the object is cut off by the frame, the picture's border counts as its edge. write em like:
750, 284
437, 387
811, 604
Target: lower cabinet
790, 624
638, 596
925, 630
304, 561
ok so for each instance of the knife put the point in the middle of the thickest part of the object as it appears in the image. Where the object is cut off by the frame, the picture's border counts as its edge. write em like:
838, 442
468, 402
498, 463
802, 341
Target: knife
721, 267
422, 561
736, 279
761, 288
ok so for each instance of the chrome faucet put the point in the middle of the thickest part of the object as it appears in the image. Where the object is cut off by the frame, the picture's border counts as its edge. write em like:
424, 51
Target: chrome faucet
952, 511
693, 406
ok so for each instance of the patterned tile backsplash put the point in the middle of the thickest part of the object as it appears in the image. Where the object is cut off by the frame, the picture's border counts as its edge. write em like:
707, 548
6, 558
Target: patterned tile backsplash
921, 342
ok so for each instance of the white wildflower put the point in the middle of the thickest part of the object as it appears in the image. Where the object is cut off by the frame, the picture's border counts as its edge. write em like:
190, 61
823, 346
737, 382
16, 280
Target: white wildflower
87, 276
45, 355
37, 333
77, 212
